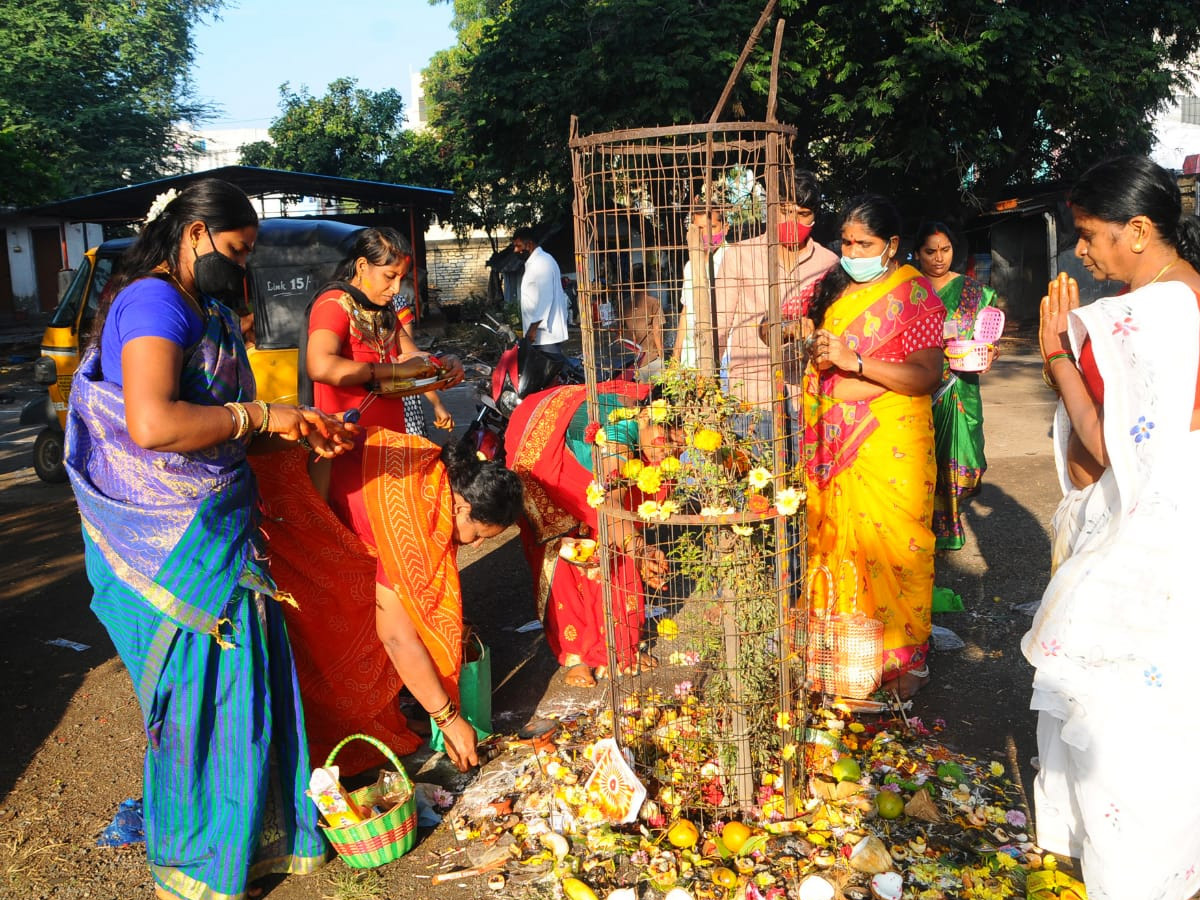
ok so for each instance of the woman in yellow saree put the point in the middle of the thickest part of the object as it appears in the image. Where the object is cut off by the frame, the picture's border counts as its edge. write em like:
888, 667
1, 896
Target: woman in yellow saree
876, 349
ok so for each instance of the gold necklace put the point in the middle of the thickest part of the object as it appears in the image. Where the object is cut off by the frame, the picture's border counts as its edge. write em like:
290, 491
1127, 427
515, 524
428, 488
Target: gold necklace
1163, 271
195, 302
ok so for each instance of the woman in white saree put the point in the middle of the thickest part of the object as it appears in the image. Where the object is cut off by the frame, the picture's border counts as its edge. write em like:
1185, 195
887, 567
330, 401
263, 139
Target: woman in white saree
1116, 641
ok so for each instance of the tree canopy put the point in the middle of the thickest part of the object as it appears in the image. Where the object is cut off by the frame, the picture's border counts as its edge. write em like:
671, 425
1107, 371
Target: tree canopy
941, 104
90, 91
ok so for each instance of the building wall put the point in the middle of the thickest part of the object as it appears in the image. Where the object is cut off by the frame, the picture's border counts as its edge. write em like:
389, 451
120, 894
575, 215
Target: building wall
19, 249
458, 269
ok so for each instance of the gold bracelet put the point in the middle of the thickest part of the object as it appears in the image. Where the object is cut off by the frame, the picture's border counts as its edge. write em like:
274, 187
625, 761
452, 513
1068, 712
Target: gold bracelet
241, 420
446, 724
445, 714
264, 425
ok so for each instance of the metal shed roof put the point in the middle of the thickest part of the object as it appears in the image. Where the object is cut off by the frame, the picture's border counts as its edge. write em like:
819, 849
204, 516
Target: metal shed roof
129, 204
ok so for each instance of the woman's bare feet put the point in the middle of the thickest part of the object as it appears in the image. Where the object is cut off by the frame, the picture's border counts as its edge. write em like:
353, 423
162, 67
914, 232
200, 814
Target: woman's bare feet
579, 676
907, 684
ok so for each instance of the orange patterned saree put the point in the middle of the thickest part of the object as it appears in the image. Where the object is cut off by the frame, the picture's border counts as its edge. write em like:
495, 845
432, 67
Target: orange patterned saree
347, 682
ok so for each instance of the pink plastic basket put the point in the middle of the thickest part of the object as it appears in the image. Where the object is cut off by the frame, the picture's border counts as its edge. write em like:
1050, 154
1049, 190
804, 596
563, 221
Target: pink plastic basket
972, 356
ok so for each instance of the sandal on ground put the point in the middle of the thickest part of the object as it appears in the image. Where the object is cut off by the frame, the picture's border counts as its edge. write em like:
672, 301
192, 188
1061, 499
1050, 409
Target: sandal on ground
579, 676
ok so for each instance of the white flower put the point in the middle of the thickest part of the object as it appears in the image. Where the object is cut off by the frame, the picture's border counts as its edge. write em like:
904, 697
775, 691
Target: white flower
758, 477
714, 511
787, 501
160, 203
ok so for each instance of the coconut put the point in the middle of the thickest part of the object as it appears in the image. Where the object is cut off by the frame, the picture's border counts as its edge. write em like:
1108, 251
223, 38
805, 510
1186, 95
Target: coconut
922, 807
814, 887
870, 856
888, 886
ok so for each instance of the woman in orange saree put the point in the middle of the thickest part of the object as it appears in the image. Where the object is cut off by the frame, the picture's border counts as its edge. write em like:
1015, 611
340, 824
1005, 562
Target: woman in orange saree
876, 345
380, 611
548, 446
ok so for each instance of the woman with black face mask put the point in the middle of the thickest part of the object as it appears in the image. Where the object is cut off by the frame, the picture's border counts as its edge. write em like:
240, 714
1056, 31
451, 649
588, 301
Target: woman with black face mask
162, 416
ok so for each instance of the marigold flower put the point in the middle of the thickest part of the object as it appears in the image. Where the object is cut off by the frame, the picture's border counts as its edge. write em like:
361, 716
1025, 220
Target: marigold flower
632, 468
670, 465
787, 501
758, 477
648, 510
621, 414
595, 494
758, 503
668, 629
743, 530
707, 440
783, 719
666, 509
649, 480
659, 411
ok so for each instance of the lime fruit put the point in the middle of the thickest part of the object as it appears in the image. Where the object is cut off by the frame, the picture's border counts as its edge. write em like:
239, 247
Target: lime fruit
846, 769
889, 804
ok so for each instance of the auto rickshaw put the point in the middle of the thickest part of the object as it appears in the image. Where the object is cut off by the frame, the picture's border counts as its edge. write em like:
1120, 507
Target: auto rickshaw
291, 259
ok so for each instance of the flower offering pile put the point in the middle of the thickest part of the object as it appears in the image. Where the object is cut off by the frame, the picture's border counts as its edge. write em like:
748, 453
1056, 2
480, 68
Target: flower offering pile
888, 811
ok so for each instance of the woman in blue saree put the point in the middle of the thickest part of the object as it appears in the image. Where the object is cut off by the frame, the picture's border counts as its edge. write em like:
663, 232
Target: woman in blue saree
162, 414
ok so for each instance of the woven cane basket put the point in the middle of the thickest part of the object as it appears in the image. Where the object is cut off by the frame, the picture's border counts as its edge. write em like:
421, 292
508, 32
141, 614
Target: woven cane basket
845, 649
385, 837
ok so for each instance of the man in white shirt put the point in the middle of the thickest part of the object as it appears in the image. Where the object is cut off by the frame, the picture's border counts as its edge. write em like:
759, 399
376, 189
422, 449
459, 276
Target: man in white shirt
543, 299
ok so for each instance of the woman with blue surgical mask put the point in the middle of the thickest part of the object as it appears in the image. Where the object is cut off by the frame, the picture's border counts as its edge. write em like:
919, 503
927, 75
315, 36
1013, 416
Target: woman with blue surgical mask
874, 359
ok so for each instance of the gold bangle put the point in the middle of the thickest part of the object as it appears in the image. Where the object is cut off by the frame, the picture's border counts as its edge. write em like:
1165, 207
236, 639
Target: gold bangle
241, 420
444, 715
446, 724
264, 425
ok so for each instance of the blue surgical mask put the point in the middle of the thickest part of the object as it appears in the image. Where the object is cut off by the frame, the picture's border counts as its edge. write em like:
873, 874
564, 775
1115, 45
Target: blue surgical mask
866, 268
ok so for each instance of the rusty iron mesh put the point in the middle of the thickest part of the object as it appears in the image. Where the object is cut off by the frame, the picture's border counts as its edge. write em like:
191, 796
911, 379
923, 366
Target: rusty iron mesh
682, 300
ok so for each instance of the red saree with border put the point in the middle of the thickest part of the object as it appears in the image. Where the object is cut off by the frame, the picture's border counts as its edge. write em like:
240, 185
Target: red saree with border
570, 600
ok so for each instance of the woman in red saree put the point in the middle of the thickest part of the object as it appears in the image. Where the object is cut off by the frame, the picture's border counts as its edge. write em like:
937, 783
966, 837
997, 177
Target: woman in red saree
877, 351
548, 445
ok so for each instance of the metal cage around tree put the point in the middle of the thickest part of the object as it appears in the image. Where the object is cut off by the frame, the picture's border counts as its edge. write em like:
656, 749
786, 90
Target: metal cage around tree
697, 456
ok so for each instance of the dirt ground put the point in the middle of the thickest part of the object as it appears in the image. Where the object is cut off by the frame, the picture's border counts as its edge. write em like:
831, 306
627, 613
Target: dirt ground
72, 750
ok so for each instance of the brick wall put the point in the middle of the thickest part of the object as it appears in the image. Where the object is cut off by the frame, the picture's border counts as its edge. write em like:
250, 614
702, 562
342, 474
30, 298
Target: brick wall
458, 269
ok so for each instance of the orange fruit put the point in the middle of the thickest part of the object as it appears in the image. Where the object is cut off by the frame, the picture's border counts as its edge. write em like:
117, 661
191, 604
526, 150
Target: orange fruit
683, 834
734, 835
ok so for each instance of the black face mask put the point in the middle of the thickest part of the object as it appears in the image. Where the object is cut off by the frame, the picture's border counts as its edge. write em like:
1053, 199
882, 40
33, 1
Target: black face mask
218, 276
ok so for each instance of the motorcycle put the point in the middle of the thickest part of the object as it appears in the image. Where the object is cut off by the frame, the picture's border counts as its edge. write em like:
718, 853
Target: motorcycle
522, 370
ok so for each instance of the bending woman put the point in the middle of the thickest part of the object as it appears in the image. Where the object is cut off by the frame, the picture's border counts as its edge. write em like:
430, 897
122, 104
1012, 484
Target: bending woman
1114, 639
877, 356
957, 407
381, 609
162, 415
549, 445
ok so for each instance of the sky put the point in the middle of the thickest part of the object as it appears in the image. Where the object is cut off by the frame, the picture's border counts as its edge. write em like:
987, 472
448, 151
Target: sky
258, 45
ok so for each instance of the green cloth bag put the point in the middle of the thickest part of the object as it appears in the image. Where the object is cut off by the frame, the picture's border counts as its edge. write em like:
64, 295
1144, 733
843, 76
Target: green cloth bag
474, 691
946, 600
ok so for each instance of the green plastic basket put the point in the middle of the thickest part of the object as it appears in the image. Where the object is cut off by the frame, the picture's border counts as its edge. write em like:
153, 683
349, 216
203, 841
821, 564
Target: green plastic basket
381, 839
